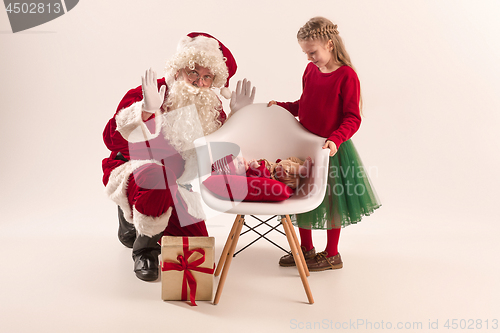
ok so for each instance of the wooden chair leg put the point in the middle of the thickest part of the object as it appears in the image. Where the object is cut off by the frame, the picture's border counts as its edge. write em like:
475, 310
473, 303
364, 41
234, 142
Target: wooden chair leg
239, 224
297, 243
296, 257
293, 247
225, 251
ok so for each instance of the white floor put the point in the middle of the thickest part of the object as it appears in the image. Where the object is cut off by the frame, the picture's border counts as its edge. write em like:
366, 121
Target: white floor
69, 273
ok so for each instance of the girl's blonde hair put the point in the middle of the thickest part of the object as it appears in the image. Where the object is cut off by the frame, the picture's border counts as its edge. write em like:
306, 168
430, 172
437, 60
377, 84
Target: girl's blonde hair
320, 28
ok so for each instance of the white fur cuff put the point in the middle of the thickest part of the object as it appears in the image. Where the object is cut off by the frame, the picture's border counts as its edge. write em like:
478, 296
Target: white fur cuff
151, 225
118, 183
130, 125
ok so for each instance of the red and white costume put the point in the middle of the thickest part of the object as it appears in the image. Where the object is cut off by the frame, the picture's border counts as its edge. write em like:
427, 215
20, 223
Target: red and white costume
145, 186
149, 165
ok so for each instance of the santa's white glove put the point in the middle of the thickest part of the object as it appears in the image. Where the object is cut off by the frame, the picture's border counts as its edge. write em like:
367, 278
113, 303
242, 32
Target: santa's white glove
243, 96
153, 99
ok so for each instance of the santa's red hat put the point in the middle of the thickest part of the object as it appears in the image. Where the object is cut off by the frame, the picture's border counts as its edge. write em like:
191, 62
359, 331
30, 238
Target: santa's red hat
206, 51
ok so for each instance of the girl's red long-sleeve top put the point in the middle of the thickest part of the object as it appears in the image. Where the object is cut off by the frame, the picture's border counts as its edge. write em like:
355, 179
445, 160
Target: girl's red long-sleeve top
329, 104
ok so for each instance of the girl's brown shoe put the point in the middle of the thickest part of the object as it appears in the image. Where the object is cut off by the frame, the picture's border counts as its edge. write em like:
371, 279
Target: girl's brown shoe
322, 262
287, 259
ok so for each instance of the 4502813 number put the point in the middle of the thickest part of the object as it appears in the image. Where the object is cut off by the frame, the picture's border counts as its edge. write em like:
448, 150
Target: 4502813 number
471, 324
33, 8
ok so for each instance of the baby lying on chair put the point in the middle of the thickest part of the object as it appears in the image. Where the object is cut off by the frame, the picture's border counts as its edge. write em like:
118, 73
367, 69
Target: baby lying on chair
287, 171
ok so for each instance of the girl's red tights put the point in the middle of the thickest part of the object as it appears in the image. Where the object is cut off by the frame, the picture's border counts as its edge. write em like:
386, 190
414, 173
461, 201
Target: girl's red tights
332, 236
332, 242
306, 240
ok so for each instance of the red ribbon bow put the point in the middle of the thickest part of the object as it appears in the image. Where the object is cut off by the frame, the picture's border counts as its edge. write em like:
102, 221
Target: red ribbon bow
187, 267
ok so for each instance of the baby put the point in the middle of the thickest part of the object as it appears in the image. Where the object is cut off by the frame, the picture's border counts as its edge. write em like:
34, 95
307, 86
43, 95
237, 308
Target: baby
287, 171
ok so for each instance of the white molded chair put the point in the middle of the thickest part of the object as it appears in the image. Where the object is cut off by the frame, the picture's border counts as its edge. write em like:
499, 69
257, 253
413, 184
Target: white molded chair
259, 132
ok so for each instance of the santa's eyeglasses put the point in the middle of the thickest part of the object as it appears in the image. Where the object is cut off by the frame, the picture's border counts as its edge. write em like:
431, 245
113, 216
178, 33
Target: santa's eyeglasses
195, 76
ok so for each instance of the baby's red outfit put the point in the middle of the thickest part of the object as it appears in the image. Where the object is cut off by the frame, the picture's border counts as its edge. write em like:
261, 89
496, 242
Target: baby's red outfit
225, 166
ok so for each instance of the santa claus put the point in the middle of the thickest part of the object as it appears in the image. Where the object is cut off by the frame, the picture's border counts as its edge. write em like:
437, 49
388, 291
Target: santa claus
151, 136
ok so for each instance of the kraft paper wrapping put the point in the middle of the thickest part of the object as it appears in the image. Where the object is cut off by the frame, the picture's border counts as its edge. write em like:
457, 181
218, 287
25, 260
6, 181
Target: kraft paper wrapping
172, 280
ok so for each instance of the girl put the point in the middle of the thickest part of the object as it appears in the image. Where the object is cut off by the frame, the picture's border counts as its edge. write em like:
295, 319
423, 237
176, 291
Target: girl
330, 107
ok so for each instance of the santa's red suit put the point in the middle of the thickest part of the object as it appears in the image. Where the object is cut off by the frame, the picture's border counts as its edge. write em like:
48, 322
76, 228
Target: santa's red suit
142, 172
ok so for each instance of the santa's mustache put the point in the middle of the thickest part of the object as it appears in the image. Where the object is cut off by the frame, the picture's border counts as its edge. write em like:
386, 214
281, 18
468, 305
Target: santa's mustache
207, 103
182, 92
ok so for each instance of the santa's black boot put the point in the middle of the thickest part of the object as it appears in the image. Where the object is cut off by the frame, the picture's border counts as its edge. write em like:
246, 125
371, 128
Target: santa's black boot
126, 231
145, 253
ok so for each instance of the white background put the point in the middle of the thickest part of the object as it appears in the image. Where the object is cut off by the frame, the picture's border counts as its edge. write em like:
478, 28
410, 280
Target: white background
430, 79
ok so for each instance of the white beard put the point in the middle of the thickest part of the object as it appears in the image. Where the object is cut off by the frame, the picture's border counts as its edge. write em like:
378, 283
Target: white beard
207, 103
192, 112
184, 124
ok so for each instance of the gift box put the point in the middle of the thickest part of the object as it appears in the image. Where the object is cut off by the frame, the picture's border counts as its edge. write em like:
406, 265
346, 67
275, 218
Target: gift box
187, 268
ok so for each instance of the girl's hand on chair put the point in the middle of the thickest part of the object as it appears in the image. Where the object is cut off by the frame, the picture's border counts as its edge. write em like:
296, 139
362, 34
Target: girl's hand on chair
332, 146
271, 103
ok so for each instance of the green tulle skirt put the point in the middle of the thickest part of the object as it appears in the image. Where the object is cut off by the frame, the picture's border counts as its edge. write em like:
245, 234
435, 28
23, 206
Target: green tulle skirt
349, 193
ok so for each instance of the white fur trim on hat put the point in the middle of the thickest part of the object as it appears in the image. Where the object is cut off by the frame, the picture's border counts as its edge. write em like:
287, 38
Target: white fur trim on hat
226, 92
200, 50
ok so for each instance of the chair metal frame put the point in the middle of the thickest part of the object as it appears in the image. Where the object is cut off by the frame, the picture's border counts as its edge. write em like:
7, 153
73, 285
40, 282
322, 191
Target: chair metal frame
261, 235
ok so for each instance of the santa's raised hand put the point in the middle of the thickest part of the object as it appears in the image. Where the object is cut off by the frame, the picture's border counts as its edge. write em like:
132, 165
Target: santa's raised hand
243, 96
152, 98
